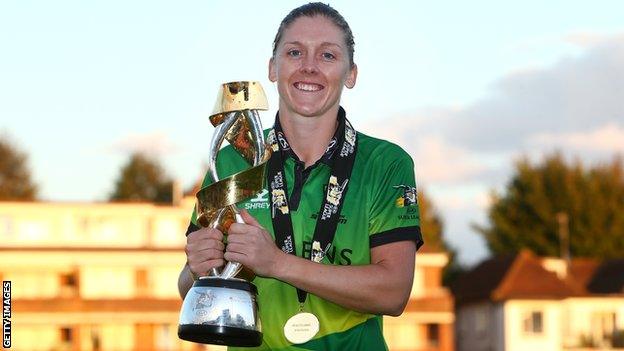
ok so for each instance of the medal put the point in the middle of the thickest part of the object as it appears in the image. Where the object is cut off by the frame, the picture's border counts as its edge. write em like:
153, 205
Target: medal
301, 327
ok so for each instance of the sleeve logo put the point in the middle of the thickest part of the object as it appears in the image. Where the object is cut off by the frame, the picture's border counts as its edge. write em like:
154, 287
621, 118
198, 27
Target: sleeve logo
408, 198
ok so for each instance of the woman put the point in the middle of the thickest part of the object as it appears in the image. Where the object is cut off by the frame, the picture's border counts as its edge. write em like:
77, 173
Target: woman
348, 233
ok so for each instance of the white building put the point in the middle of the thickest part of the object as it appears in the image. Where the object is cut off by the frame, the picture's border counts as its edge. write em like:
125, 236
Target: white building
526, 303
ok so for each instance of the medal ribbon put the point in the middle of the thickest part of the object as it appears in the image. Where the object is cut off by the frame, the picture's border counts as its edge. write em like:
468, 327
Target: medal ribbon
327, 221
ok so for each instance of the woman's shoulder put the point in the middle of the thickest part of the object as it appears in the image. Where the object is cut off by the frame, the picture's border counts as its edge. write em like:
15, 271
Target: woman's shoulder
379, 149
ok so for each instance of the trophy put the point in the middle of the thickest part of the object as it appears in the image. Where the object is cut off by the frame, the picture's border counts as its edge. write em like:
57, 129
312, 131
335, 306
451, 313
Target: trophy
221, 308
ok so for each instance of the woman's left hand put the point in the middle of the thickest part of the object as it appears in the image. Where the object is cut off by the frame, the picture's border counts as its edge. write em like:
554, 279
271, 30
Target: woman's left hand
251, 245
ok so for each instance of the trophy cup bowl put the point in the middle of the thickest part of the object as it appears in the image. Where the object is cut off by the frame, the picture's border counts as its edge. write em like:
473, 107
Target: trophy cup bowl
221, 308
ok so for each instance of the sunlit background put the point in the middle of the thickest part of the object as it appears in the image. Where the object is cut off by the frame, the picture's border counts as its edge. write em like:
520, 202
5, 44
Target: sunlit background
466, 88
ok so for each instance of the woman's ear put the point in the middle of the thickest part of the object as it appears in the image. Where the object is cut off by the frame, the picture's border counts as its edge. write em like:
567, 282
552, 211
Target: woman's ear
352, 77
272, 71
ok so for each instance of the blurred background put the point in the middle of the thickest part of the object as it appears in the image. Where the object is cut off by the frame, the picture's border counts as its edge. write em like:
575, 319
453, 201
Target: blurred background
512, 112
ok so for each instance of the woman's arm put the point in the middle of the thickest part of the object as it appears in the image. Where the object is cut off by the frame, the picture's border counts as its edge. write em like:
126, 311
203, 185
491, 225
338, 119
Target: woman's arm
381, 287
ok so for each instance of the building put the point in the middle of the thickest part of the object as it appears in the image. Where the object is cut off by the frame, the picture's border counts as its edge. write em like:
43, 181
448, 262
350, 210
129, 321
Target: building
103, 276
523, 302
95, 276
427, 323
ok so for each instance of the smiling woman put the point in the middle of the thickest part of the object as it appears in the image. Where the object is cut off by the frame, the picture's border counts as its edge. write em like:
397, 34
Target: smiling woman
328, 261
311, 63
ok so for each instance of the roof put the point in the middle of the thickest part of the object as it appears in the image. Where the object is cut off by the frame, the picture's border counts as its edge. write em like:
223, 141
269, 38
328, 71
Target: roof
524, 276
528, 279
479, 283
608, 278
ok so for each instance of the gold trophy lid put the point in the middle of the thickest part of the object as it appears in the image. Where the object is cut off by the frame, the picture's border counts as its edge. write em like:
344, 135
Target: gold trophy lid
238, 96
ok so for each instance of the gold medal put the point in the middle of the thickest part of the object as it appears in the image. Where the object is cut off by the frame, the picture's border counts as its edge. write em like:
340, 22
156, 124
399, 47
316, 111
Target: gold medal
301, 327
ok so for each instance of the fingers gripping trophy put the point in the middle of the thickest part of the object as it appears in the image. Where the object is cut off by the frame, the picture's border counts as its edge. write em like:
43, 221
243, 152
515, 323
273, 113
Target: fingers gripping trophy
221, 308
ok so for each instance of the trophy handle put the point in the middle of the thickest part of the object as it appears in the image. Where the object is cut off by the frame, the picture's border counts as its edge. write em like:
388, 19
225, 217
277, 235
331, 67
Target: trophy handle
215, 271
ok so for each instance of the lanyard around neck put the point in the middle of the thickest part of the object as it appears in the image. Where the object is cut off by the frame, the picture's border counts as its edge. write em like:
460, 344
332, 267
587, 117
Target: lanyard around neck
329, 214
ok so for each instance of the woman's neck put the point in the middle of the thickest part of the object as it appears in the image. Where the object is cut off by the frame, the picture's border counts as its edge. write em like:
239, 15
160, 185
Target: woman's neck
309, 136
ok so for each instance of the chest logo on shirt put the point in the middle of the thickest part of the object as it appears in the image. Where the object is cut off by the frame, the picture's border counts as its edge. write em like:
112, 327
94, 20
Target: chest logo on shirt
261, 201
334, 194
408, 198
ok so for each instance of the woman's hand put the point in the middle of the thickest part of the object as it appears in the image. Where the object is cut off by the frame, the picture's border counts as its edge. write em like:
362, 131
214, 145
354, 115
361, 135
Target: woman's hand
204, 250
252, 246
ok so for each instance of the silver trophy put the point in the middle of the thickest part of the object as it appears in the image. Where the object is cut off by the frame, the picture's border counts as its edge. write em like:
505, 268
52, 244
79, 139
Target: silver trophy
221, 308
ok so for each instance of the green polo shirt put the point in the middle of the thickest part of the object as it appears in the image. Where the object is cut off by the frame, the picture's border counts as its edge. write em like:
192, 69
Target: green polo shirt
380, 207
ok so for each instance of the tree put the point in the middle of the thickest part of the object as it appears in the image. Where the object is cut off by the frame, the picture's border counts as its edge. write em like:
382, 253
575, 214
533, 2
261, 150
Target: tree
432, 228
142, 179
431, 225
15, 177
529, 213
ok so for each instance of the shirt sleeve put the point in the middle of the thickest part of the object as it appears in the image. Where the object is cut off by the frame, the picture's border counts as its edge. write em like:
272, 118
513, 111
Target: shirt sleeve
394, 213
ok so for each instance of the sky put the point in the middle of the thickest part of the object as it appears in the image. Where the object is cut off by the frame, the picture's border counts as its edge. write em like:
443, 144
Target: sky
465, 87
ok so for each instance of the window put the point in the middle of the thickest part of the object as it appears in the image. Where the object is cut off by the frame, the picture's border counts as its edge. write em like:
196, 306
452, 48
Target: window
532, 322
69, 284
603, 326
96, 338
141, 281
66, 335
433, 335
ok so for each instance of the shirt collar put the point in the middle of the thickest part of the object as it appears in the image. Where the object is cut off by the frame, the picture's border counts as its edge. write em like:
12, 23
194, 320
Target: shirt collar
328, 156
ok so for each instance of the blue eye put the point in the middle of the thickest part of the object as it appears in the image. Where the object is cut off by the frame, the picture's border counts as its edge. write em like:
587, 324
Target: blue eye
294, 53
329, 56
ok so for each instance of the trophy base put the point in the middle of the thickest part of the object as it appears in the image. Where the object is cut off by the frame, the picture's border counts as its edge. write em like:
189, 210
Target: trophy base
220, 335
222, 312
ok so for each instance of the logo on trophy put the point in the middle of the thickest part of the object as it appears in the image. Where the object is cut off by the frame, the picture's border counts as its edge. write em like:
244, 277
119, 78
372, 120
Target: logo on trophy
221, 308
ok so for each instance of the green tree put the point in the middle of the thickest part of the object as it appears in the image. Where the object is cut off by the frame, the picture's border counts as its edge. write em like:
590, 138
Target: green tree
432, 229
431, 226
142, 179
15, 177
526, 214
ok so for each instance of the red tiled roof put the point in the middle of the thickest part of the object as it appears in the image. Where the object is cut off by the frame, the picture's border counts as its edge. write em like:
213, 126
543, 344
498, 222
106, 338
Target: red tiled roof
528, 279
521, 276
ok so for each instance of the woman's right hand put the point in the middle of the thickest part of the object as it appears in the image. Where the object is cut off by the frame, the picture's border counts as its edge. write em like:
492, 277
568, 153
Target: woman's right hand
204, 250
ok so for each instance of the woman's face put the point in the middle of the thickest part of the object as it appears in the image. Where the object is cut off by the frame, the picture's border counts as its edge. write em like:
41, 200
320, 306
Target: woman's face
311, 65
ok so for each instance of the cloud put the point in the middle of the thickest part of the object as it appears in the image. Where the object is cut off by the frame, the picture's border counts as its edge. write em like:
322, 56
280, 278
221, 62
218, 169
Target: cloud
576, 94
154, 144
608, 138
436, 160
588, 39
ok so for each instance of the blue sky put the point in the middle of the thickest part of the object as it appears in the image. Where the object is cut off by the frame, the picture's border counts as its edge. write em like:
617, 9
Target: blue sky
465, 87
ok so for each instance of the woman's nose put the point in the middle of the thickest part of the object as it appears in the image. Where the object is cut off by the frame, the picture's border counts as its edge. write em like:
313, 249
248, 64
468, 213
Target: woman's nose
309, 64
